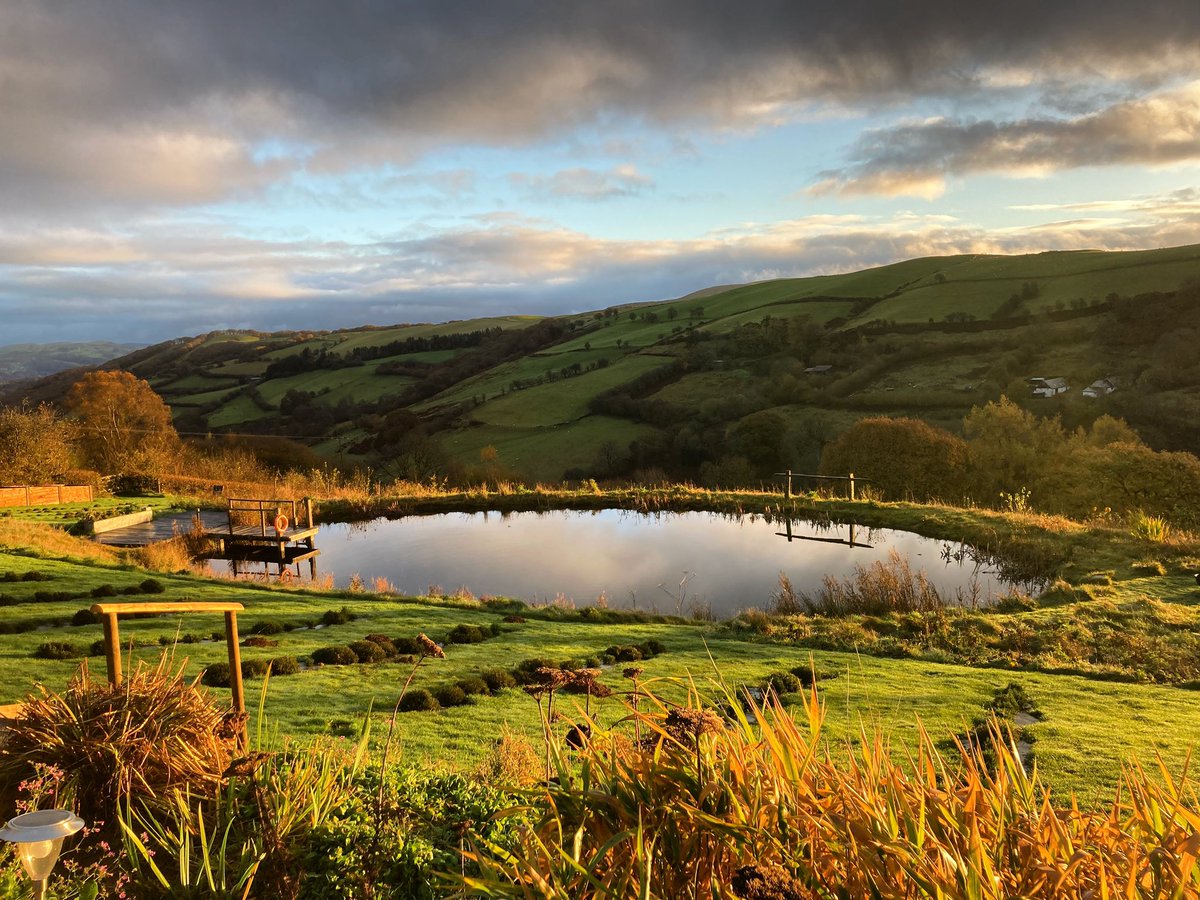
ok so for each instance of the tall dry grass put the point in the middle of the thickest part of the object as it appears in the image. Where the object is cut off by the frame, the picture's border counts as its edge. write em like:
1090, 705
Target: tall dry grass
756, 811
883, 587
46, 540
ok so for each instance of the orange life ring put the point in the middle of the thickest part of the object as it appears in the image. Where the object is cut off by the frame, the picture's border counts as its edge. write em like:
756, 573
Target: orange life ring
281, 524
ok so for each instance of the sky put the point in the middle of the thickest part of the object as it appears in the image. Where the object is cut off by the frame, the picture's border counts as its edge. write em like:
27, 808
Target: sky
170, 167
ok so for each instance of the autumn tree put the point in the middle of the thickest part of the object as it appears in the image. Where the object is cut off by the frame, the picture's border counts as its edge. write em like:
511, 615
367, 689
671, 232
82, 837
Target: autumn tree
1011, 449
35, 444
905, 458
124, 426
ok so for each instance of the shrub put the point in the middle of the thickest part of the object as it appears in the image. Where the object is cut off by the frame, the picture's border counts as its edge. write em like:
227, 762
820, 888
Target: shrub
652, 647
84, 617
152, 586
418, 700
57, 650
285, 665
267, 626
626, 653
466, 634
514, 619
784, 683
473, 685
498, 680
335, 656
450, 695
338, 616
97, 648
408, 645
104, 590
216, 675
255, 668
367, 651
257, 641
385, 643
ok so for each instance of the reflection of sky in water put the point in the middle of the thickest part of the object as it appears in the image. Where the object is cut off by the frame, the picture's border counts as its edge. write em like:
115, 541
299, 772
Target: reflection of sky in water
629, 557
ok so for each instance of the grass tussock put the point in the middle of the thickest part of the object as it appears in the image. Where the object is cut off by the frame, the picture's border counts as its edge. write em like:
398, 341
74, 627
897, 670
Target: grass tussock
155, 735
883, 587
703, 807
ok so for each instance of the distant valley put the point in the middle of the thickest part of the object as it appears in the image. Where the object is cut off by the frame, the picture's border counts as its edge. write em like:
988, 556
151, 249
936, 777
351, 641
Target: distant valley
19, 362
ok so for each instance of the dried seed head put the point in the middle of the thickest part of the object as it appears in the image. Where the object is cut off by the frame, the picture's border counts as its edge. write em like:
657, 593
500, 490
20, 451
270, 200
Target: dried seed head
767, 882
552, 679
684, 721
632, 672
429, 647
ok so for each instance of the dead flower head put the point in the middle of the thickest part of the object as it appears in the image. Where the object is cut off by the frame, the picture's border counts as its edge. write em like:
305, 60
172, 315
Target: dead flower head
633, 672
684, 722
552, 679
429, 647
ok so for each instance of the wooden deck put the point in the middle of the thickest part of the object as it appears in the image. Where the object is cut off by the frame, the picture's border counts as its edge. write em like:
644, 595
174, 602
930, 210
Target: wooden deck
162, 528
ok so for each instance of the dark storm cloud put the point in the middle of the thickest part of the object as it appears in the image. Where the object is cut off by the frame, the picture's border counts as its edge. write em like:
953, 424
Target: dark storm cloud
916, 159
146, 101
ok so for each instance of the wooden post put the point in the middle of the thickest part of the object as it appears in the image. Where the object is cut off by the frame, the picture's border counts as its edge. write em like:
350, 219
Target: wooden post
112, 649
308, 512
235, 687
851, 485
787, 491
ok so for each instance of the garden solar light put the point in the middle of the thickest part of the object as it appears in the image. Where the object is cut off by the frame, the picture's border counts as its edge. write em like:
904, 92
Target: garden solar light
39, 837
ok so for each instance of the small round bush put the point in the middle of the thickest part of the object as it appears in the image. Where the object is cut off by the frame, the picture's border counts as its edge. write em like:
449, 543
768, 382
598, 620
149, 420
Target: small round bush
84, 617
269, 626
57, 650
784, 683
628, 654
259, 641
592, 662
104, 590
97, 648
652, 648
385, 643
338, 616
466, 634
216, 675
335, 656
407, 645
473, 685
152, 586
514, 619
498, 680
367, 651
419, 700
285, 665
255, 668
450, 695
495, 629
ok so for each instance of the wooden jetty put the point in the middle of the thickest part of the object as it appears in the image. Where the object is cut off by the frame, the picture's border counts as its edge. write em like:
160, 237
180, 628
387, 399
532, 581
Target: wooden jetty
252, 533
245, 533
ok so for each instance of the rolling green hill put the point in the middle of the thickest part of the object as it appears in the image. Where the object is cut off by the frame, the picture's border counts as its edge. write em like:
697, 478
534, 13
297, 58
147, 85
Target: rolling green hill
668, 386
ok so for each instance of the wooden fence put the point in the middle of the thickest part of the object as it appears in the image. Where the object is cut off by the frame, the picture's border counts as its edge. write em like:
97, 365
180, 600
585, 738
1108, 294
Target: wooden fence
45, 495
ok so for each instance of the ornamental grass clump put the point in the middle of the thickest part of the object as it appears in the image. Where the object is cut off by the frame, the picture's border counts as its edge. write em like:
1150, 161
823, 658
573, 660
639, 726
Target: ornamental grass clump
759, 807
156, 734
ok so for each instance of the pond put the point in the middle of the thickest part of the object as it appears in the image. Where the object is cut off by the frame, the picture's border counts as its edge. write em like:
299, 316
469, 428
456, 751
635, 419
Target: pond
671, 563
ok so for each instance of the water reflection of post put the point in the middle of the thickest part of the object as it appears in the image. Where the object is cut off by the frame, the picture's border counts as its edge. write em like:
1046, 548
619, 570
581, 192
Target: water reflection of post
792, 536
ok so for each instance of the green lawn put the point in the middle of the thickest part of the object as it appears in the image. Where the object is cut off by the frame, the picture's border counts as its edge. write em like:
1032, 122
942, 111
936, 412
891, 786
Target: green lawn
1088, 728
67, 514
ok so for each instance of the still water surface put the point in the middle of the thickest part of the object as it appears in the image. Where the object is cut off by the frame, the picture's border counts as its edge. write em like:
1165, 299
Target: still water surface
663, 562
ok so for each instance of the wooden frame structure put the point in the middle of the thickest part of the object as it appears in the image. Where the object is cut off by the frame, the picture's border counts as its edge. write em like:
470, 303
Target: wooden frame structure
261, 542
789, 475
109, 612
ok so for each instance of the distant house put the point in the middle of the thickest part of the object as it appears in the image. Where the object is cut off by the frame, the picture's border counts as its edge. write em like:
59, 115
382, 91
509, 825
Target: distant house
1102, 387
1048, 387
818, 370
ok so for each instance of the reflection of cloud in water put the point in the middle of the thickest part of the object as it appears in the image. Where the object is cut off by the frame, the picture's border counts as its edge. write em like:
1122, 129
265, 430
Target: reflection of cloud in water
730, 562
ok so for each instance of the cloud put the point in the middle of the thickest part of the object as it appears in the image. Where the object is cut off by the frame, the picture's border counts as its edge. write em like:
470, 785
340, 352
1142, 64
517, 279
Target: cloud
583, 183
162, 281
175, 102
918, 158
